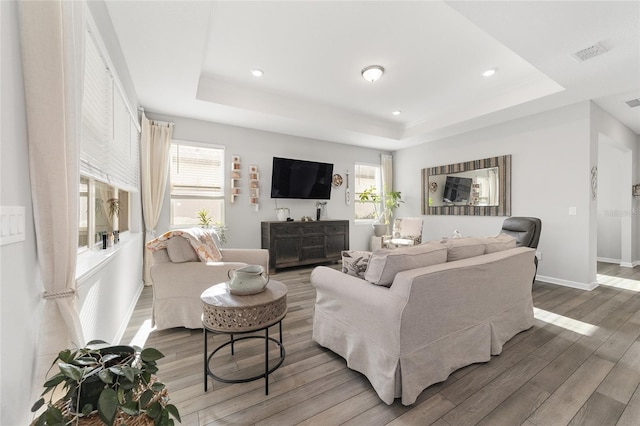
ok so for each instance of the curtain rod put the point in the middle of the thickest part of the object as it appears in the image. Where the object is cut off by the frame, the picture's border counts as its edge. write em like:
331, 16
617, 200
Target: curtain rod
168, 123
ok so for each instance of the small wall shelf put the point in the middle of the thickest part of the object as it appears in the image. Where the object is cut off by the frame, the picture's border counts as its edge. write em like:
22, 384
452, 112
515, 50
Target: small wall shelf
235, 178
254, 186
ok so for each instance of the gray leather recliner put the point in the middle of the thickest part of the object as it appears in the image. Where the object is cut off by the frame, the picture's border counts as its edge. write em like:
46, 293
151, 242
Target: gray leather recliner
526, 231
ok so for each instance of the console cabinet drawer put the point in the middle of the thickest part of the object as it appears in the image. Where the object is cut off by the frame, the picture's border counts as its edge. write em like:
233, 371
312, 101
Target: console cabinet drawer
304, 243
334, 230
315, 240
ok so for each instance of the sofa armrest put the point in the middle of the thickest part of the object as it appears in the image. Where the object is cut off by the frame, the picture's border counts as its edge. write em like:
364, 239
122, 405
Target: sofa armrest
248, 256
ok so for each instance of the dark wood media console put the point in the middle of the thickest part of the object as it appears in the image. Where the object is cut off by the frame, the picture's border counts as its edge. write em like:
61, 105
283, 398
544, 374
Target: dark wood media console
304, 243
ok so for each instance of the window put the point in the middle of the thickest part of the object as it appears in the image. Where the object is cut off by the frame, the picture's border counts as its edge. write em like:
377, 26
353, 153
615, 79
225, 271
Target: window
366, 176
108, 148
197, 182
103, 209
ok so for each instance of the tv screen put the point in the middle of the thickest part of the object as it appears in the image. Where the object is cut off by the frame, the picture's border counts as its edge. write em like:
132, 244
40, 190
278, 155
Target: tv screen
457, 189
301, 179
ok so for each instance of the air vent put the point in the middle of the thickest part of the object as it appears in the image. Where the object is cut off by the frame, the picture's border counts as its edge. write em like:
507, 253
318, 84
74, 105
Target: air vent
589, 52
633, 103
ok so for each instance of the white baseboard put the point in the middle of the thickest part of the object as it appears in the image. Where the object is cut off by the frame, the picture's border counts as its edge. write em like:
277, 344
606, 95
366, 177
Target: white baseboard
567, 283
608, 260
125, 321
619, 262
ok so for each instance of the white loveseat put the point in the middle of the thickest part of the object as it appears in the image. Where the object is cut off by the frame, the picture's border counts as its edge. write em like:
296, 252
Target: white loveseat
437, 307
178, 284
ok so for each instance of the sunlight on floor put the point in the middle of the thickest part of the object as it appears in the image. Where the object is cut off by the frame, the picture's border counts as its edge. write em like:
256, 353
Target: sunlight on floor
617, 282
142, 334
579, 327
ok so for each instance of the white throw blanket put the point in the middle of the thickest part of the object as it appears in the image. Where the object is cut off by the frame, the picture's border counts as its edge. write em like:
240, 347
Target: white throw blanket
202, 241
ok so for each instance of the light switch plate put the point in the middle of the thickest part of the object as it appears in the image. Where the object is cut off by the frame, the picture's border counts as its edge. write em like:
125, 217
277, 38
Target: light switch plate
572, 211
12, 227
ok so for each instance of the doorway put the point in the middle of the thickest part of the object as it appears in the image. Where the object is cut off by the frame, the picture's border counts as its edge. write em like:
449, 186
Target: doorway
614, 203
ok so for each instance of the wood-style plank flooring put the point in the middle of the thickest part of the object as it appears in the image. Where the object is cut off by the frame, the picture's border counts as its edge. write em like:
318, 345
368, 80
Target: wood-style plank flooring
578, 365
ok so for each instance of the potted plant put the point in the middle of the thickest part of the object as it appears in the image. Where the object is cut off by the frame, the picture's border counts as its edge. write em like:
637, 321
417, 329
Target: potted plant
392, 201
115, 382
206, 221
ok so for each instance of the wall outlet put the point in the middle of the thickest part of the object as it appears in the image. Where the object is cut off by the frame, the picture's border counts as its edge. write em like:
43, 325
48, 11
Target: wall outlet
539, 255
573, 211
12, 224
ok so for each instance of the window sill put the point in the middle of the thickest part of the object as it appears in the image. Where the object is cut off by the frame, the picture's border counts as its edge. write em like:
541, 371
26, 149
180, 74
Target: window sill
91, 261
364, 221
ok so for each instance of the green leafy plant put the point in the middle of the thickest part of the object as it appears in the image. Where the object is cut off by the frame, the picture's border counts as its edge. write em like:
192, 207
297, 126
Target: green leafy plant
392, 201
204, 219
116, 381
220, 230
113, 207
371, 195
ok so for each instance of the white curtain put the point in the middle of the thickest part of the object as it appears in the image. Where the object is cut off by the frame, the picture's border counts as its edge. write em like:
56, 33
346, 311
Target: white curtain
155, 146
52, 51
386, 168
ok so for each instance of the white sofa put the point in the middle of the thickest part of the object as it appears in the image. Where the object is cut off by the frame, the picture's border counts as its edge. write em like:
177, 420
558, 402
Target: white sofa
178, 284
438, 306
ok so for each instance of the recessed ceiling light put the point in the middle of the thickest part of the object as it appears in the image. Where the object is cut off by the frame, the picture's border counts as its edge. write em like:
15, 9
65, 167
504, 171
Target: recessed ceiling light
396, 112
257, 72
489, 72
372, 72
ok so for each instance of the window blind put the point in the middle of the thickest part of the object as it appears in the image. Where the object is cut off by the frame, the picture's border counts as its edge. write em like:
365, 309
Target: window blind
196, 171
109, 145
366, 176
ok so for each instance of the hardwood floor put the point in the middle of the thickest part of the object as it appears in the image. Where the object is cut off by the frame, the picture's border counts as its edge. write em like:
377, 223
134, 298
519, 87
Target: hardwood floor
578, 365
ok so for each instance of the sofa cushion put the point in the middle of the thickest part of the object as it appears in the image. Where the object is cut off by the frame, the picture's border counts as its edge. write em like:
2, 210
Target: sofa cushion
355, 262
462, 248
499, 242
384, 264
179, 250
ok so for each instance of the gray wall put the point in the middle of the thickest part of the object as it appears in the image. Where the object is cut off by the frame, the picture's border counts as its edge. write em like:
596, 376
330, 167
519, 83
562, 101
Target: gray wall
550, 173
20, 284
258, 148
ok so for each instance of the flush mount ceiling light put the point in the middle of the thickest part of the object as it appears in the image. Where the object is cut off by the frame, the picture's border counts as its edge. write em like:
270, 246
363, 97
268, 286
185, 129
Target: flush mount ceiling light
489, 72
372, 73
257, 72
396, 112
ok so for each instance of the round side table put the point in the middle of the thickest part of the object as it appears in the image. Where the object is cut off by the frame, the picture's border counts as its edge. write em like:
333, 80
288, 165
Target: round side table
223, 312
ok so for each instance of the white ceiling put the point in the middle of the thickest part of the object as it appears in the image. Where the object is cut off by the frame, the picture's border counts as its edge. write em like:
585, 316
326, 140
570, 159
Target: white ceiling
193, 59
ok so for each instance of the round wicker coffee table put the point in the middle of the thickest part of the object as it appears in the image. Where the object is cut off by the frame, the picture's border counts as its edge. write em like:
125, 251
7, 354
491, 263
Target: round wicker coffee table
223, 312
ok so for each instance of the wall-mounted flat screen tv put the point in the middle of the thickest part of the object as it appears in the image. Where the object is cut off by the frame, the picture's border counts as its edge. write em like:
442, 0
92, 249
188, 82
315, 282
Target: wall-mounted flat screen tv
301, 179
457, 189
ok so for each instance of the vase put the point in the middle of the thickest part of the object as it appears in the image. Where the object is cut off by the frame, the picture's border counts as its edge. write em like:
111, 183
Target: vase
251, 279
380, 229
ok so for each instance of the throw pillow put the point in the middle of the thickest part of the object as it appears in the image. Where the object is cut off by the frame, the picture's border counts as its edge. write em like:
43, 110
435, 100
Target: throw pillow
179, 250
355, 262
499, 242
384, 264
462, 248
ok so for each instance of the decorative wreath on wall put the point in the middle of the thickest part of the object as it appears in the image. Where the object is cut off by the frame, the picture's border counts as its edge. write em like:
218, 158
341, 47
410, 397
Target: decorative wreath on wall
336, 181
